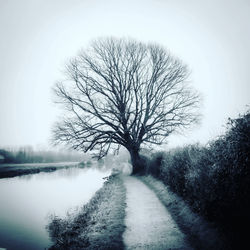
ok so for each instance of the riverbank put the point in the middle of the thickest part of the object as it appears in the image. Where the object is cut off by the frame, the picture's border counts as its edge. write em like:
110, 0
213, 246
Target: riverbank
103, 222
13, 170
98, 225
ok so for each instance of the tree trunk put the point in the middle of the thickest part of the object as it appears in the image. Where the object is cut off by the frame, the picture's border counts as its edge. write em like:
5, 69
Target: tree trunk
136, 161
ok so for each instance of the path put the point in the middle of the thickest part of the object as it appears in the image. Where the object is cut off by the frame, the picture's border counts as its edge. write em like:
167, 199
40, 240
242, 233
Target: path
148, 223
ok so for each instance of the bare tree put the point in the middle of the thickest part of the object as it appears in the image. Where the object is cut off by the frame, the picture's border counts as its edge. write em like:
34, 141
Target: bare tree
122, 92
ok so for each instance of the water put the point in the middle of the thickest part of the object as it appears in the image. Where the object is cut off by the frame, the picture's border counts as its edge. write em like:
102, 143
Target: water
27, 201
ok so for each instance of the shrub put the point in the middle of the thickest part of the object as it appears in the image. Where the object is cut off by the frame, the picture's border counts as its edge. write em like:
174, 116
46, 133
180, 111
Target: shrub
213, 179
154, 163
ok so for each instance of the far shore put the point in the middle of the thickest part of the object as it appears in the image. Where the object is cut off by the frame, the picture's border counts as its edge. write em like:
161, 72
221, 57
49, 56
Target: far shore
8, 170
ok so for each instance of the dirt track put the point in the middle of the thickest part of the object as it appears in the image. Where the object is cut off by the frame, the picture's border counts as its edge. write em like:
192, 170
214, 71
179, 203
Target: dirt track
148, 223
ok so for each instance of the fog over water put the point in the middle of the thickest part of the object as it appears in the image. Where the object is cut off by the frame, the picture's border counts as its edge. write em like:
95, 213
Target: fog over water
38, 37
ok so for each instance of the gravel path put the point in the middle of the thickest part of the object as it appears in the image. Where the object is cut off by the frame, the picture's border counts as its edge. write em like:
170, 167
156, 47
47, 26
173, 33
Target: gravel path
148, 223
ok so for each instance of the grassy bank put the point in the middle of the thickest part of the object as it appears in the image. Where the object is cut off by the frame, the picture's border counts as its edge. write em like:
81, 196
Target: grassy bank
13, 170
99, 224
214, 179
200, 233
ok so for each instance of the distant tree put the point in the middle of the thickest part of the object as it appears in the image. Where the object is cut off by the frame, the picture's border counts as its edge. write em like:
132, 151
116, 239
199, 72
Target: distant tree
7, 157
122, 92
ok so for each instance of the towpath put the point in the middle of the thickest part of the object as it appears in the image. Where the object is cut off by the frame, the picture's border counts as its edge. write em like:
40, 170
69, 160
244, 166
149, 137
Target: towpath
148, 223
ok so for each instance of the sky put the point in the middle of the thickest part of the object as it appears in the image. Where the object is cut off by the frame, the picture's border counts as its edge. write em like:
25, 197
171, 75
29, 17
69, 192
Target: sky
38, 37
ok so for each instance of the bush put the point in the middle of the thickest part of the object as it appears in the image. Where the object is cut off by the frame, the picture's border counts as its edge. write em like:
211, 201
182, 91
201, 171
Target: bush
215, 179
154, 163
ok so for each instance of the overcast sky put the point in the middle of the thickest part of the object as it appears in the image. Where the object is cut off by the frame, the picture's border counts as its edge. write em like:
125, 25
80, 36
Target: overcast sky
37, 37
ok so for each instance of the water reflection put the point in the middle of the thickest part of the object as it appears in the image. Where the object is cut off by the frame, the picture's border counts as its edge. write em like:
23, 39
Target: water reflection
26, 201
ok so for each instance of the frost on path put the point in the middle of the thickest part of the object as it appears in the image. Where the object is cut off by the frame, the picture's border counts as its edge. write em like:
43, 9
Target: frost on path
148, 223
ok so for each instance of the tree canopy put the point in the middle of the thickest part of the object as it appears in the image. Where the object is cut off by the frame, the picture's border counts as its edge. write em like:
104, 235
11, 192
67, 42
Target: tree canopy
121, 92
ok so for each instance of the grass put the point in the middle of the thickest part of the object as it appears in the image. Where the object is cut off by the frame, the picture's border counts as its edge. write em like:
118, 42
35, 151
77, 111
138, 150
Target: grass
99, 224
200, 233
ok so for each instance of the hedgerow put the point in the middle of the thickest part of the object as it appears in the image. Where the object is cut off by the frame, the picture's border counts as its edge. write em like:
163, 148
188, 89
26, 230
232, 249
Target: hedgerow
213, 179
